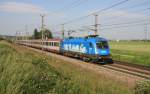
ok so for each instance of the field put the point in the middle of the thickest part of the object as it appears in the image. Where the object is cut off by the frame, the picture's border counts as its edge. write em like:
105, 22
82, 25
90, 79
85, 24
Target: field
137, 52
23, 71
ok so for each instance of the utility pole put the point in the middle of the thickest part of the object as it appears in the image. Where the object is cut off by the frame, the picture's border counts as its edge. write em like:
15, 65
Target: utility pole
26, 31
16, 36
96, 24
70, 32
21, 35
42, 29
63, 30
145, 33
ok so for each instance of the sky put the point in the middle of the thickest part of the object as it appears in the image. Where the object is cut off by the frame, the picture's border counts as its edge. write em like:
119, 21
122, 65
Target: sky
130, 20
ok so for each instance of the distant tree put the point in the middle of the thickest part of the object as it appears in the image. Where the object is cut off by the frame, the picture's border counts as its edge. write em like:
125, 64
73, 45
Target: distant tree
48, 33
36, 34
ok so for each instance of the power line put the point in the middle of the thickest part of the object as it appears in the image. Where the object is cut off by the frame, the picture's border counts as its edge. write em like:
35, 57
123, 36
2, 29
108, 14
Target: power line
114, 5
132, 22
72, 5
128, 25
131, 7
125, 24
107, 8
136, 11
69, 6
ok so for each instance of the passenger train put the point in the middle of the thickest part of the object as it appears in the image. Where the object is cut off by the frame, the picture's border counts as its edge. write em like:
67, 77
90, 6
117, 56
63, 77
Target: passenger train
91, 48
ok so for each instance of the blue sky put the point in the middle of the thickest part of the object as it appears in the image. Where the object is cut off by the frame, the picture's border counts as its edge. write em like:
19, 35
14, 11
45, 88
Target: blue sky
16, 14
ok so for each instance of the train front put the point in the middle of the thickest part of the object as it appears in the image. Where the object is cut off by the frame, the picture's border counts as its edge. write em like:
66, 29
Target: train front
103, 51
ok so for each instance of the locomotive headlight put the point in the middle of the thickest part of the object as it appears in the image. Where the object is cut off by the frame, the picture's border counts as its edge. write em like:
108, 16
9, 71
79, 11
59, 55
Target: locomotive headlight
103, 51
96, 51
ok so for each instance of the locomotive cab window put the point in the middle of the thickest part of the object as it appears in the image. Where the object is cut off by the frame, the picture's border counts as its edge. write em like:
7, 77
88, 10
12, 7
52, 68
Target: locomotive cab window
102, 45
90, 44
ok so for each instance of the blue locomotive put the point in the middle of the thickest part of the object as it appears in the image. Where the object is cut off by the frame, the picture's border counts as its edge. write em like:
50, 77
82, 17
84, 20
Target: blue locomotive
91, 48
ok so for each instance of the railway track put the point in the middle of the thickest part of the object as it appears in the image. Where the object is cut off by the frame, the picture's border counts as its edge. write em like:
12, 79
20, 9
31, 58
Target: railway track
143, 73
128, 68
135, 70
132, 67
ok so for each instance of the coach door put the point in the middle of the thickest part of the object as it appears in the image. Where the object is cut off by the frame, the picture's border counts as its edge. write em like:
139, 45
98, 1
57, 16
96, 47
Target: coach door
90, 48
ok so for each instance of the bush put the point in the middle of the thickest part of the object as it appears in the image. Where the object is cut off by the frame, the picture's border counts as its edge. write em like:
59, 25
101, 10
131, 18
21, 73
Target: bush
143, 87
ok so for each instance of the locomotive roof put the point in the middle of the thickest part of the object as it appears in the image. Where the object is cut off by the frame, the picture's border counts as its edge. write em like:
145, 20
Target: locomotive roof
54, 39
85, 39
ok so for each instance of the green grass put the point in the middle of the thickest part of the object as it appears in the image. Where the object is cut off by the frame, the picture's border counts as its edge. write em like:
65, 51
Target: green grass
23, 71
137, 52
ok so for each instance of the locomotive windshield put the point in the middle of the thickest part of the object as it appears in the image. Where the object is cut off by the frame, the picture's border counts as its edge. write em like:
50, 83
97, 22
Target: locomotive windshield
102, 45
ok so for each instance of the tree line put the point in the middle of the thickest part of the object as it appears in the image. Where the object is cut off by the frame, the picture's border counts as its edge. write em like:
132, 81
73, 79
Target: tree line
38, 34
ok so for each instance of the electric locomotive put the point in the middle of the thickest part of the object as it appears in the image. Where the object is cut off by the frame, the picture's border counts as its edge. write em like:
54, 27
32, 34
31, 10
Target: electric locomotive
91, 48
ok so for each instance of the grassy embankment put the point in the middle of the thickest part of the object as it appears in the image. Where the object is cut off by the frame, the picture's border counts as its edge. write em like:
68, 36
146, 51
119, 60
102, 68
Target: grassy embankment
23, 71
137, 52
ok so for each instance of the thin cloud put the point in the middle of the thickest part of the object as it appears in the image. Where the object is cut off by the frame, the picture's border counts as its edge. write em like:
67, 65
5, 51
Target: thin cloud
16, 7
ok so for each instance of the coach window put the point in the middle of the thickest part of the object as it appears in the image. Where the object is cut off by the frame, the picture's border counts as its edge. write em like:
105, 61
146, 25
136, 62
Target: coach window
46, 43
54, 43
57, 44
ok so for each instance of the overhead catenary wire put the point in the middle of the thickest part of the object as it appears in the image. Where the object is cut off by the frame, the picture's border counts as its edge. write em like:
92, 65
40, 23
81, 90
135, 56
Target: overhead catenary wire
69, 6
117, 17
73, 5
130, 7
124, 26
97, 12
139, 22
131, 22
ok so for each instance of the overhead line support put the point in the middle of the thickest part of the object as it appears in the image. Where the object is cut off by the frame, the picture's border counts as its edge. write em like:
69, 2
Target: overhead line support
63, 31
42, 29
